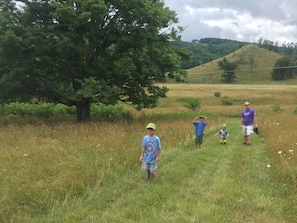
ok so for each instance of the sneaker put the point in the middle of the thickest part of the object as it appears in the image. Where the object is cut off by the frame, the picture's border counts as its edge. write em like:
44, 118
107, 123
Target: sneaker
244, 143
248, 144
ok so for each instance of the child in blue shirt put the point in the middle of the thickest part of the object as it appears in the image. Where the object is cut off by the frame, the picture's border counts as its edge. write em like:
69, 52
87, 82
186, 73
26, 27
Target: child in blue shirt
150, 151
199, 129
224, 134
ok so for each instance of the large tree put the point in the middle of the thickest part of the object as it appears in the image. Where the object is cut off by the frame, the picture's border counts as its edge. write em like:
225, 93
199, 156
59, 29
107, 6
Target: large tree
284, 68
84, 51
229, 69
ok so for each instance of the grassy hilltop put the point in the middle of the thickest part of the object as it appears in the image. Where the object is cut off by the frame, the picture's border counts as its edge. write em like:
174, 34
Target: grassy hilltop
210, 73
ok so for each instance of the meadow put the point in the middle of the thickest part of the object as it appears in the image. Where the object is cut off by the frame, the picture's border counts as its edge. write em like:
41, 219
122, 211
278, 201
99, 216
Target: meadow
56, 170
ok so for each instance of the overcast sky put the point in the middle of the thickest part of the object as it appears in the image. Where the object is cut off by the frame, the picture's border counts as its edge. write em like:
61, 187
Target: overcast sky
242, 20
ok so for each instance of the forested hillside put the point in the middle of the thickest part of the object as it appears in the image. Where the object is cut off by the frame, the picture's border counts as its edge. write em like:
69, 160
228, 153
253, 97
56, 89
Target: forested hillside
207, 49
261, 62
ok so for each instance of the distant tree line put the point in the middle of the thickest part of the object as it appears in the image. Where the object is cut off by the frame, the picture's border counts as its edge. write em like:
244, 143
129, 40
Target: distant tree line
206, 50
285, 67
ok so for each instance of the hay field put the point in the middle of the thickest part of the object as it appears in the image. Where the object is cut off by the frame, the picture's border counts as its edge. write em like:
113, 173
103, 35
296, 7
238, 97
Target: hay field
262, 96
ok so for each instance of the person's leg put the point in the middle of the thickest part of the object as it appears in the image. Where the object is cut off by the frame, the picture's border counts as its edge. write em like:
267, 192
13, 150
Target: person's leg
249, 135
244, 133
249, 140
145, 168
152, 170
245, 140
199, 141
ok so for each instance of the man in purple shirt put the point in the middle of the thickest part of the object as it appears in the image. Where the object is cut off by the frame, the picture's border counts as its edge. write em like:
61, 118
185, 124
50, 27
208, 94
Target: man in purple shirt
247, 124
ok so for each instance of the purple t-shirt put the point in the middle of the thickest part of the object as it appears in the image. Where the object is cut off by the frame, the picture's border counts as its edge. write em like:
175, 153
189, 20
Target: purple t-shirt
248, 116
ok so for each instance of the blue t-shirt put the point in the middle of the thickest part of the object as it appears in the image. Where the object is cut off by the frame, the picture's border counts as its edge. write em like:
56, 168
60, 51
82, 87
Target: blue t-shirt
152, 146
200, 126
248, 116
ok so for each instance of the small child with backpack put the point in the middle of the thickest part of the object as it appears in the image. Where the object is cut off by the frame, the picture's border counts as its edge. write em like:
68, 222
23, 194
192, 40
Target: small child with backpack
223, 133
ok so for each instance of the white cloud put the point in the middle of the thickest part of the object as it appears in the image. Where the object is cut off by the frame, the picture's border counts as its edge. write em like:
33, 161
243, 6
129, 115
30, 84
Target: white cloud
274, 20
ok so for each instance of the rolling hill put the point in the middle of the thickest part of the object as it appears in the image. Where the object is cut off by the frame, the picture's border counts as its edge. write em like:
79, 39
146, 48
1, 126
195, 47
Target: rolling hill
210, 73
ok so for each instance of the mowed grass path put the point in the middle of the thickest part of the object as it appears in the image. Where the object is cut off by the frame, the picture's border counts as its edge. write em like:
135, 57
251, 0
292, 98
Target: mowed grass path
217, 183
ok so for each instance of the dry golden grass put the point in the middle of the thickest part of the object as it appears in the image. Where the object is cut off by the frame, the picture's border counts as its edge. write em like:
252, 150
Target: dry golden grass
259, 95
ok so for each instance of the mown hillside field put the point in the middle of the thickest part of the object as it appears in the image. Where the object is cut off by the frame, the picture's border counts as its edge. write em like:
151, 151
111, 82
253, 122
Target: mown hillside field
210, 73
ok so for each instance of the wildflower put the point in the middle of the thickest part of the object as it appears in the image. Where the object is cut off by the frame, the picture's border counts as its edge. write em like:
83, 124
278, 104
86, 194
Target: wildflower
25, 154
279, 152
291, 151
110, 158
268, 165
277, 123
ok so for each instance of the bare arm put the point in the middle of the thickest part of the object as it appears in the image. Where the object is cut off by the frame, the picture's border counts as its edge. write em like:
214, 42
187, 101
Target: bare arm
256, 121
142, 152
158, 156
195, 119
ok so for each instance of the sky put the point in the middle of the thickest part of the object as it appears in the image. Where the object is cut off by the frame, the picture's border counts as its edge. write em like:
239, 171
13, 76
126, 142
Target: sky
242, 20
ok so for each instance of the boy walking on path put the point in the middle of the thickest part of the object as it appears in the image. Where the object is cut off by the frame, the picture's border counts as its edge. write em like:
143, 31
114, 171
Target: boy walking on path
199, 129
224, 134
150, 151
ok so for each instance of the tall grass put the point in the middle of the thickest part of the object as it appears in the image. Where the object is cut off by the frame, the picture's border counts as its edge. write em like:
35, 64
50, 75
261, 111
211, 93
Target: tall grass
281, 143
45, 162
42, 163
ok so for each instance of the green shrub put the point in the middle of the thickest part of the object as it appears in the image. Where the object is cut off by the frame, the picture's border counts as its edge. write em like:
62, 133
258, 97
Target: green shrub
276, 108
18, 109
217, 94
295, 110
192, 103
107, 111
226, 102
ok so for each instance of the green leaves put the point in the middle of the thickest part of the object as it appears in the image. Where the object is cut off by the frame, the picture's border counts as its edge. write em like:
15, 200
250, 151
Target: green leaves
101, 51
229, 69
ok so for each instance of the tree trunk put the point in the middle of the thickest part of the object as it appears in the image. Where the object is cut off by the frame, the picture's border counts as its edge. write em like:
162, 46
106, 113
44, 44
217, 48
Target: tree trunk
83, 110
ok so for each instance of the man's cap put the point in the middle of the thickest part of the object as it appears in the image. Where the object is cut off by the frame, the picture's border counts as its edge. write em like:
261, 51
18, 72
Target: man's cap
201, 116
151, 126
223, 125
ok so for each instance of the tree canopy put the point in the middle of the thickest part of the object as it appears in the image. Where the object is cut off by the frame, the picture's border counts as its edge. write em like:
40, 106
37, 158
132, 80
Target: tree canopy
284, 68
229, 69
80, 52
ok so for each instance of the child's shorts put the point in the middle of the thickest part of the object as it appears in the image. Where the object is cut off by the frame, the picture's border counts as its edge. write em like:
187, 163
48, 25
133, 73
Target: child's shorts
198, 139
247, 130
152, 167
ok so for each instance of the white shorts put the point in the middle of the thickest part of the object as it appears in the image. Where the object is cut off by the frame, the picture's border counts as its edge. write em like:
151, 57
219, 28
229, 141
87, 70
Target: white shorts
247, 130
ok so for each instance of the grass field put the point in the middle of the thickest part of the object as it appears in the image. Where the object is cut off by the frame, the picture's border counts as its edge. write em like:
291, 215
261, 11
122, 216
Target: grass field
89, 172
